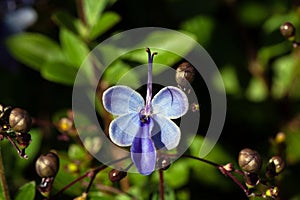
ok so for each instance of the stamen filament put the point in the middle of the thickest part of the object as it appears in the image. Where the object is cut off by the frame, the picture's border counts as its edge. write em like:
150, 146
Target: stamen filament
149, 83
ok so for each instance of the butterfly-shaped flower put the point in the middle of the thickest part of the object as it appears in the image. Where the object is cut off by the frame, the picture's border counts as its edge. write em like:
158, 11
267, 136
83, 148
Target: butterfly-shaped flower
135, 122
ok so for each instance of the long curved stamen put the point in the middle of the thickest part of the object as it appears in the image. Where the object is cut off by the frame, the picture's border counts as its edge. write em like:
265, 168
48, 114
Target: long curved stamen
149, 84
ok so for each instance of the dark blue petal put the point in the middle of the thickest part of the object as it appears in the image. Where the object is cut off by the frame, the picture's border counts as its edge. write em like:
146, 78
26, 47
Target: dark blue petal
143, 152
119, 100
169, 133
123, 129
170, 102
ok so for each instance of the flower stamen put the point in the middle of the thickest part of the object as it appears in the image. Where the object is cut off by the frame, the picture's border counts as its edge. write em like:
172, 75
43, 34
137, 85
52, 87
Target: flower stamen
149, 83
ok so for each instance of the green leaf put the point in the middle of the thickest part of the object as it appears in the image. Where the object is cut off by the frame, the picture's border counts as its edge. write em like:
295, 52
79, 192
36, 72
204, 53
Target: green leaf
201, 26
163, 40
168, 195
27, 191
65, 20
59, 72
74, 48
76, 152
252, 13
65, 177
206, 173
284, 74
93, 9
268, 52
119, 72
106, 21
256, 90
230, 79
34, 49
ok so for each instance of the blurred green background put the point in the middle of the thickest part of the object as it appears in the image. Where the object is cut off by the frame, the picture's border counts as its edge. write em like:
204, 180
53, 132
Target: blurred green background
43, 43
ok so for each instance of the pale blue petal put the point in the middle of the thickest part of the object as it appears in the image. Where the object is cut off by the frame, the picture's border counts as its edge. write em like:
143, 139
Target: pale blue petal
170, 102
143, 152
169, 133
119, 100
123, 129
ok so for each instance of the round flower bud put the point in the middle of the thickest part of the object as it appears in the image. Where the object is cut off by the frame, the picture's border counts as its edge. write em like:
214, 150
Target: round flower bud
278, 163
65, 124
185, 74
23, 140
249, 160
251, 179
116, 175
272, 192
20, 120
47, 165
288, 31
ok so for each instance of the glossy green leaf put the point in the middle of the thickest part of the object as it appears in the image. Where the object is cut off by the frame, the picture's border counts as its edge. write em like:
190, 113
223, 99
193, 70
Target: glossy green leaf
27, 192
93, 9
59, 72
65, 20
34, 49
106, 21
74, 48
119, 73
158, 39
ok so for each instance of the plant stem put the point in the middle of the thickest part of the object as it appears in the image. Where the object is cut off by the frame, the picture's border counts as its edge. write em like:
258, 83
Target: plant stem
161, 185
3, 179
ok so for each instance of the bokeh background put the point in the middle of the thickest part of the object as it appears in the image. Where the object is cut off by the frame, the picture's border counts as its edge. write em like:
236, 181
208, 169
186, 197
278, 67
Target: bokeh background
260, 69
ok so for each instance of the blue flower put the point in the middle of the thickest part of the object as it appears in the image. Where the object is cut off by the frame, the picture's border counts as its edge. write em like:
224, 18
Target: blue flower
135, 121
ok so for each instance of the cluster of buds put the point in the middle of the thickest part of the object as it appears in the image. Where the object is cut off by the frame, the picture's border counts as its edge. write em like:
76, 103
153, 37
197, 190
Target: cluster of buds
250, 163
15, 124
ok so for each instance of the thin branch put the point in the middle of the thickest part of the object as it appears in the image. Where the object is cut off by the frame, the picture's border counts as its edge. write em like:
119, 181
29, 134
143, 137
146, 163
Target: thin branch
3, 179
91, 174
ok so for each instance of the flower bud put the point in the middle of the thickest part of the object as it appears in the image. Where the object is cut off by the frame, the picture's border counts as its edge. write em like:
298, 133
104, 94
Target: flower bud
20, 120
65, 124
272, 192
288, 31
278, 164
249, 160
251, 179
185, 74
116, 175
47, 165
23, 140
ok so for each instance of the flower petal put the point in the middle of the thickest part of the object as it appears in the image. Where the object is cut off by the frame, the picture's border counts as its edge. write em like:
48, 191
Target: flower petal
170, 102
123, 129
169, 134
119, 100
143, 152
